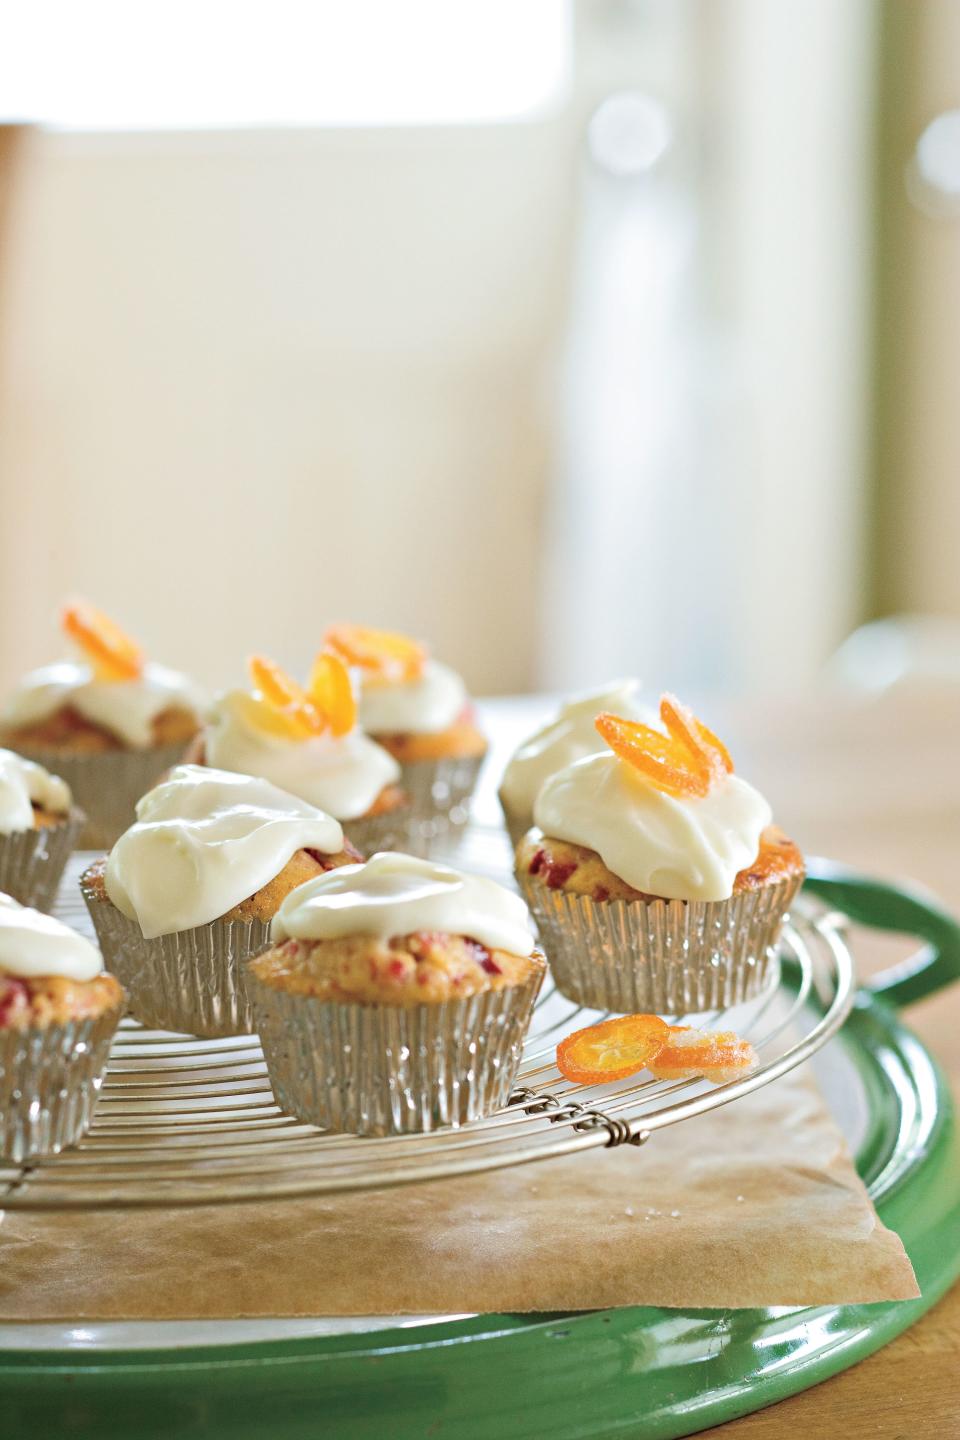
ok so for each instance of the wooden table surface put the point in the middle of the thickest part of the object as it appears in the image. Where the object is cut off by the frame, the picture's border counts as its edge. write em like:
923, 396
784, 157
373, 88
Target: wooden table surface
875, 785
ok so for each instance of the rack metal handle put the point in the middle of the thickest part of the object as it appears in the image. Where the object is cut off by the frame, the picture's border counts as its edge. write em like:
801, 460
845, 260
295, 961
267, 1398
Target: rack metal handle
904, 910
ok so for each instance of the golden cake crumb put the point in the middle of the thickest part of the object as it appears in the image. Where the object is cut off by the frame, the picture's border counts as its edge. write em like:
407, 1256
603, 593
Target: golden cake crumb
425, 968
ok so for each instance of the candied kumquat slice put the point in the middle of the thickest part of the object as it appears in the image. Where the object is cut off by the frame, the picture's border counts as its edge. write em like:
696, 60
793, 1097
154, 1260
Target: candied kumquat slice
382, 655
683, 726
717, 1056
331, 693
285, 697
112, 654
661, 759
611, 1050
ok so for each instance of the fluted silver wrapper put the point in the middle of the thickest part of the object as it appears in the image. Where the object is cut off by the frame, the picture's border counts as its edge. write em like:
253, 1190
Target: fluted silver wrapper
440, 792
32, 862
383, 1070
193, 981
49, 1083
516, 828
378, 832
108, 784
668, 956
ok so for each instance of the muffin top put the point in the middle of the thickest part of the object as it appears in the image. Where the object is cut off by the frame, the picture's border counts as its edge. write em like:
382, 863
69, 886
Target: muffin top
568, 737
204, 840
402, 690
110, 684
662, 807
24, 786
33, 944
394, 894
305, 741
399, 931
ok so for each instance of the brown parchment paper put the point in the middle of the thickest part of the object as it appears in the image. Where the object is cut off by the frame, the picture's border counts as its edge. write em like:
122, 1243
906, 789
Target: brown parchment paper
755, 1204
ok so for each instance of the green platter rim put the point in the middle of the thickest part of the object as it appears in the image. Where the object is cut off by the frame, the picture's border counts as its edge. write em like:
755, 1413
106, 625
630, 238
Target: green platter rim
638, 1372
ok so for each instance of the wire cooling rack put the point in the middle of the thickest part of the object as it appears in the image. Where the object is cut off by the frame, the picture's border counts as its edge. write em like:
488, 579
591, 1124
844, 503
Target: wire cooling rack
183, 1121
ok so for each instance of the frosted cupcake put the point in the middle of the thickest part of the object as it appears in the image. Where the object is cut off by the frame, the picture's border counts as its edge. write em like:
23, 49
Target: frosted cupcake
569, 736
38, 830
307, 742
395, 997
58, 1013
655, 874
187, 894
109, 722
419, 711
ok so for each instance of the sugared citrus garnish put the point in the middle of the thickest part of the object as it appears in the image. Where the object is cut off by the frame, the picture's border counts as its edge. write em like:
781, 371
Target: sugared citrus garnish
290, 707
682, 725
331, 693
716, 1055
384, 657
684, 762
111, 653
611, 1050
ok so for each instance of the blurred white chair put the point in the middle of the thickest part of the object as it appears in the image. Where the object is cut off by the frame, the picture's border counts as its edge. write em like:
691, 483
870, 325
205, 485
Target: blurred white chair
900, 652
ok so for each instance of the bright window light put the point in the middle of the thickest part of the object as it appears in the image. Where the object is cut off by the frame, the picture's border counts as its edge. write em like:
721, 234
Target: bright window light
200, 64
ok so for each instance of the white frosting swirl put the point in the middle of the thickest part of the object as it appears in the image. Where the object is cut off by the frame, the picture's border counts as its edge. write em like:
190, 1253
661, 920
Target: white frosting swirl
127, 708
205, 840
678, 849
33, 945
569, 736
396, 894
23, 785
417, 707
342, 775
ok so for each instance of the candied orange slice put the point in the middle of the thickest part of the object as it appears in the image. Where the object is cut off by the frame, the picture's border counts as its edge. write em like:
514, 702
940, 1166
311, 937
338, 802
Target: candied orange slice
683, 726
611, 1050
112, 654
664, 761
331, 693
384, 657
717, 1056
285, 698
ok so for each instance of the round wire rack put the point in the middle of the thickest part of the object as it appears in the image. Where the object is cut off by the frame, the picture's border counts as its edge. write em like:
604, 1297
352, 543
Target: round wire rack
184, 1121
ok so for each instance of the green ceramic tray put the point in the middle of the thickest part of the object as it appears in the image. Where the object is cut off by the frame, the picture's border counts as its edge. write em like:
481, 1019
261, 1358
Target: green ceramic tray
646, 1374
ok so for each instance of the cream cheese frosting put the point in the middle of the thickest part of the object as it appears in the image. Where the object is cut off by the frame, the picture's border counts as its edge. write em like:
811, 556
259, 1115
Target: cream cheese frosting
127, 708
681, 849
33, 945
569, 736
23, 785
423, 706
205, 840
394, 894
342, 775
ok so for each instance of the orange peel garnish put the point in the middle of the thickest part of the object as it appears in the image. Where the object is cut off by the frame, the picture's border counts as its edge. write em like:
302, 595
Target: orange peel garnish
331, 693
111, 653
611, 1050
290, 707
682, 725
685, 762
384, 657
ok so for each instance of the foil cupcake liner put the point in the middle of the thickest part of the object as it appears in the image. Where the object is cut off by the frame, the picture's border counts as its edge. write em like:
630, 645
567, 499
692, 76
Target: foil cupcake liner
193, 981
33, 861
440, 792
672, 957
371, 833
383, 1070
49, 1084
107, 784
516, 828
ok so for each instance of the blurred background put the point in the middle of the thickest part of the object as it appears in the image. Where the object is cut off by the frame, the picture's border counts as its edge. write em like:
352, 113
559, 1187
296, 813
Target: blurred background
582, 338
